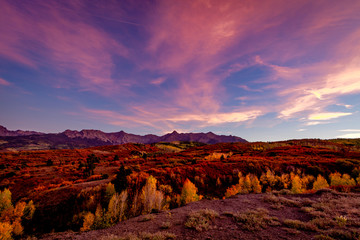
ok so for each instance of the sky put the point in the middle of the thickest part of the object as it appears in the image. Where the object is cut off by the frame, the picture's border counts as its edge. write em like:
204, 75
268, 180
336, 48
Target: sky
261, 70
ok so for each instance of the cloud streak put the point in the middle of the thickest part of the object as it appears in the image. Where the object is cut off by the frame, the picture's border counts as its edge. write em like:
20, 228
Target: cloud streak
327, 115
350, 135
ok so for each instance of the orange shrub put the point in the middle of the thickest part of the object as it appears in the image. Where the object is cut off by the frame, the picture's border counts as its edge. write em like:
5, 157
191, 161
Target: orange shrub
94, 177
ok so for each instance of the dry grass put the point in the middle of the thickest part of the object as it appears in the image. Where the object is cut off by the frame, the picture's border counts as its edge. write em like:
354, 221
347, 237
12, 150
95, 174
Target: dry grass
142, 236
292, 231
147, 218
201, 220
343, 234
323, 223
166, 225
299, 225
257, 219
335, 215
323, 237
279, 202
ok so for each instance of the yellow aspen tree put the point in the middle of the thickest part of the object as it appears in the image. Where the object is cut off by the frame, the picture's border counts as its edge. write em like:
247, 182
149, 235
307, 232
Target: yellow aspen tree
188, 193
99, 220
296, 185
159, 199
88, 222
320, 183
5, 231
109, 191
240, 186
247, 184
292, 175
113, 208
335, 179
17, 227
231, 191
148, 194
306, 180
285, 180
29, 210
255, 184
358, 179
268, 179
5, 200
19, 210
347, 180
117, 206
167, 191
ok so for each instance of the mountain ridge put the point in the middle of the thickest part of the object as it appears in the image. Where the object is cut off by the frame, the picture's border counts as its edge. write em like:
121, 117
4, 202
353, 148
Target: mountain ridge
68, 139
4, 132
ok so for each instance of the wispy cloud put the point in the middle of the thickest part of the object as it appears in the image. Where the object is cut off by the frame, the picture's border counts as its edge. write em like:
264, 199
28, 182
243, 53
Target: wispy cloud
158, 81
327, 115
4, 82
350, 135
169, 120
350, 130
313, 123
220, 118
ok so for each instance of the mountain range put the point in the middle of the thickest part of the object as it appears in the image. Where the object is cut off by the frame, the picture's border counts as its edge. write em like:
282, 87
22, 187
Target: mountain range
70, 139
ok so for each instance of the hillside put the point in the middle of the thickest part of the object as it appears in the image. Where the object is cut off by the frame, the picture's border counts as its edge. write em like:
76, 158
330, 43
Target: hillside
69, 139
250, 216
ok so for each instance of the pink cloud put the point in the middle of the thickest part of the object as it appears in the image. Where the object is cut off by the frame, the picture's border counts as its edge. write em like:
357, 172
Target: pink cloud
4, 82
168, 119
328, 82
158, 81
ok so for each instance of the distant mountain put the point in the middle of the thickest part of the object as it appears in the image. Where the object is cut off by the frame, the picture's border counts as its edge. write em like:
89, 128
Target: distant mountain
7, 133
69, 139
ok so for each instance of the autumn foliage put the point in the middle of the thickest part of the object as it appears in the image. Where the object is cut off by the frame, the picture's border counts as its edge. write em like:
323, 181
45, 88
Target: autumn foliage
11, 217
101, 186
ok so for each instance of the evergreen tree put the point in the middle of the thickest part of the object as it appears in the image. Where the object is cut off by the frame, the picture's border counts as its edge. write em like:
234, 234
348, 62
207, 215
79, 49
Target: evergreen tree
120, 182
91, 160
